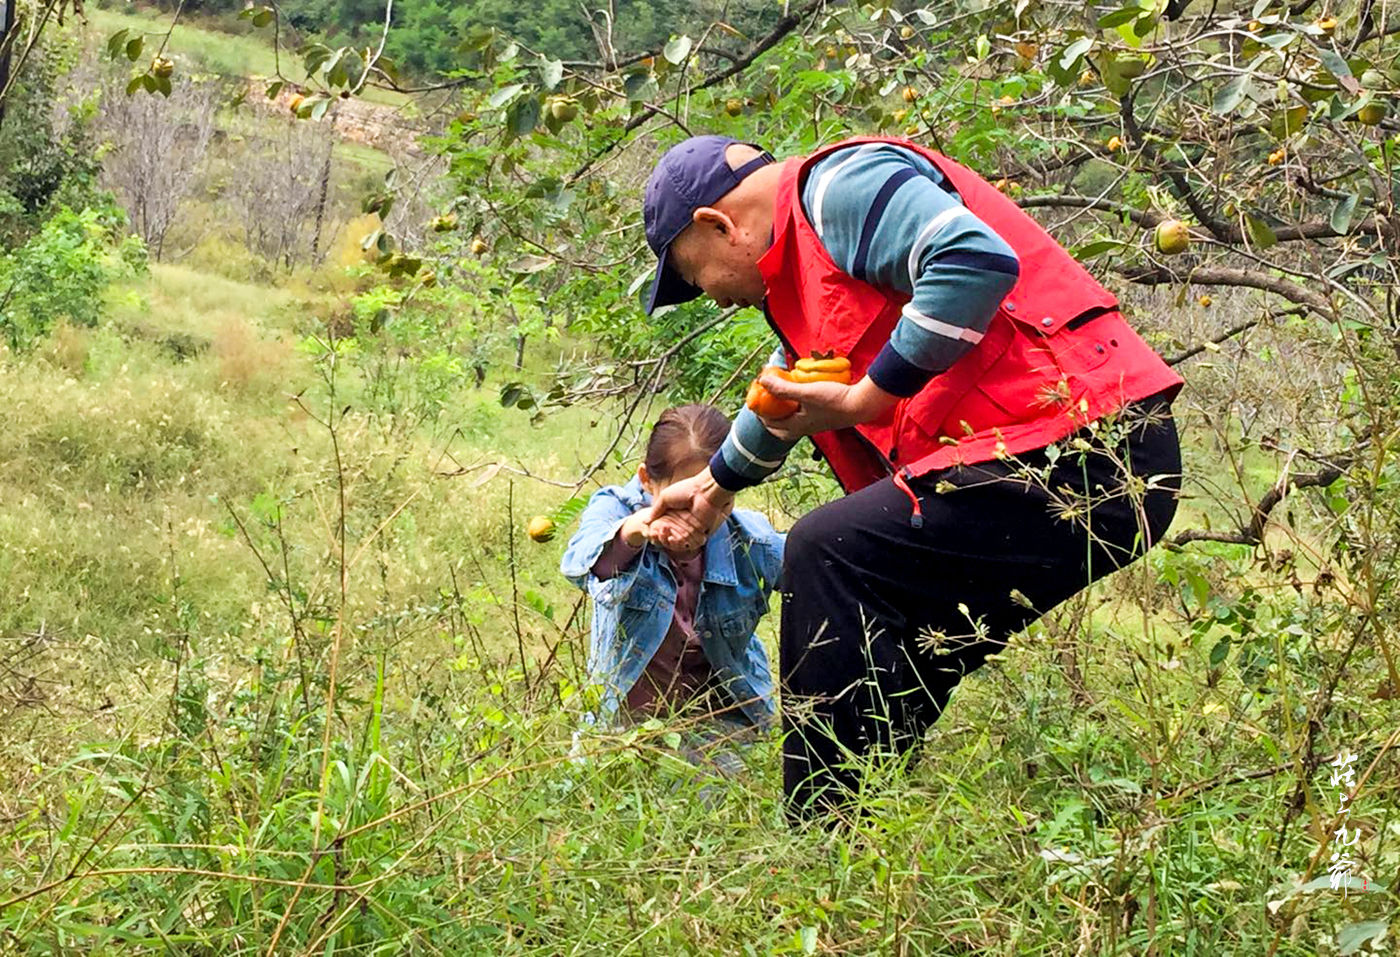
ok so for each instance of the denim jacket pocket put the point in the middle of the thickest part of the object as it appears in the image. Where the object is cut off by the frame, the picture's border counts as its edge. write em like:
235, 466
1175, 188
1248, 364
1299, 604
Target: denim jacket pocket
641, 597
736, 628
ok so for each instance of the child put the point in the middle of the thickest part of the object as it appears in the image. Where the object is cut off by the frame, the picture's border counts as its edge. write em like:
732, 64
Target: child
672, 629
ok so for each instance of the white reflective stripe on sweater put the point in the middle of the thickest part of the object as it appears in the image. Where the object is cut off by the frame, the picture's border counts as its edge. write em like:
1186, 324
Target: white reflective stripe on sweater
824, 183
926, 236
939, 327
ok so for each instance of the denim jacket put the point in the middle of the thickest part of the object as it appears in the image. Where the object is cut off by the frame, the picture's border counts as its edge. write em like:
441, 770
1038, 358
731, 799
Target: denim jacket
632, 611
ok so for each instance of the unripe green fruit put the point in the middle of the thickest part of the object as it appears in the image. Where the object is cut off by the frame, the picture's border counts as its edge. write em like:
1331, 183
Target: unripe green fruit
1171, 237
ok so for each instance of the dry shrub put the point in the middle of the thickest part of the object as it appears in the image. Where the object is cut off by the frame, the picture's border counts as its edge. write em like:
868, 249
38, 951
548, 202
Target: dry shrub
224, 256
347, 250
247, 361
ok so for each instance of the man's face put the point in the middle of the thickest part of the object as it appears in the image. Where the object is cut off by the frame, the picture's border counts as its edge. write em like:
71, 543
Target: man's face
720, 259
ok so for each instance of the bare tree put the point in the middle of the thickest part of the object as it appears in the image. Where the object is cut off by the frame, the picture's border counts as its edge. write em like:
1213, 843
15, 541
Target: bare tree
277, 189
158, 149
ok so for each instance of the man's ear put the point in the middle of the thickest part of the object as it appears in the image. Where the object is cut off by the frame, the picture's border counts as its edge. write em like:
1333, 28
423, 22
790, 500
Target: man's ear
644, 478
709, 217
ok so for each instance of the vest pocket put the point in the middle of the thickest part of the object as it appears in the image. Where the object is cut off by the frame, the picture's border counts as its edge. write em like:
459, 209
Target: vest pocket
1019, 386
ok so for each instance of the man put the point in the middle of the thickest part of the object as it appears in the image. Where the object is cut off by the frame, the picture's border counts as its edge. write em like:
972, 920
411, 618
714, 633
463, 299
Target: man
1006, 439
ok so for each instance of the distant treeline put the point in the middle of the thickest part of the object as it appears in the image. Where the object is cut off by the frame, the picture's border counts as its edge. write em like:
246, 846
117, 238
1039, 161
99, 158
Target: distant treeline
428, 35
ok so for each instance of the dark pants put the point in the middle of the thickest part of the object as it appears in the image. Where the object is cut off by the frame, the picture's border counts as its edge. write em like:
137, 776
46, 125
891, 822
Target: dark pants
881, 619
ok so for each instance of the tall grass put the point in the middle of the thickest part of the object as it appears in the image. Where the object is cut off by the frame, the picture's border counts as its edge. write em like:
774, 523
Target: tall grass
272, 681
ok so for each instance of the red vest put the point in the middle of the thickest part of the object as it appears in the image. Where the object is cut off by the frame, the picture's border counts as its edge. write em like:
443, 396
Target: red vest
1034, 378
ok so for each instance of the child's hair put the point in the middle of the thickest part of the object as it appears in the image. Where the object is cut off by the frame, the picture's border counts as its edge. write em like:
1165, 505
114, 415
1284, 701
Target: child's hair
683, 434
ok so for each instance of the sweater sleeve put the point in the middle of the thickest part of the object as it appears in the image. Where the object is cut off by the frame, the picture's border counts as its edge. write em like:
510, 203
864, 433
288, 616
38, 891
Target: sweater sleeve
887, 217
750, 453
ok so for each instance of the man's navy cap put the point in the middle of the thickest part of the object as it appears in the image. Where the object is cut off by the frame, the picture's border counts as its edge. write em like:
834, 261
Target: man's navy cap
692, 174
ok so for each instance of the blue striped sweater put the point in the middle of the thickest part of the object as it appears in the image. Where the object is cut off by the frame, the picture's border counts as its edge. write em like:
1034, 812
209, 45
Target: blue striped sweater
886, 216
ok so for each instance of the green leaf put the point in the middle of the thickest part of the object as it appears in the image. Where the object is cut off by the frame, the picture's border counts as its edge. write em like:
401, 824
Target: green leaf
1126, 785
523, 116
319, 109
264, 16
314, 56
1074, 51
504, 95
569, 510
544, 186
1334, 63
1260, 234
274, 89
135, 84
636, 85
116, 42
1091, 250
1350, 881
528, 265
478, 38
1342, 213
334, 61
677, 49
133, 48
1119, 17
163, 85
1353, 935
642, 278
1218, 653
1232, 94
512, 392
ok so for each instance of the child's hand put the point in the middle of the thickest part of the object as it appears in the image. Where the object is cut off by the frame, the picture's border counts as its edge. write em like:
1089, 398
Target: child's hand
674, 535
635, 530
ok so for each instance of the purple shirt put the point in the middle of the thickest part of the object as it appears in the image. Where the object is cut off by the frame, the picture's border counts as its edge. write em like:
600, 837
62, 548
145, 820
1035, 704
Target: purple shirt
679, 671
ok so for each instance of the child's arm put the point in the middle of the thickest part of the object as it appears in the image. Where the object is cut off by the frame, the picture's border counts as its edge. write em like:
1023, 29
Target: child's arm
622, 549
602, 520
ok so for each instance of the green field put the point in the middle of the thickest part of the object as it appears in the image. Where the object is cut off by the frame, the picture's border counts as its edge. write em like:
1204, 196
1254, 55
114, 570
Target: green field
193, 554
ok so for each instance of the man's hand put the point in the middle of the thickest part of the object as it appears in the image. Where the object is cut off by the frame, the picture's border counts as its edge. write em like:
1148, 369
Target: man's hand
685, 514
825, 405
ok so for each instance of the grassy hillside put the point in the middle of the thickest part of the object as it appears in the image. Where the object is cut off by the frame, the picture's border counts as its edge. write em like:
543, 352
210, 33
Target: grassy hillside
215, 536
214, 51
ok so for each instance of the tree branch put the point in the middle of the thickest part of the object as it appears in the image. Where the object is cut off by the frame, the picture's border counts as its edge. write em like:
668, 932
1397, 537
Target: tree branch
1231, 333
1157, 275
1050, 165
1253, 533
783, 27
1146, 218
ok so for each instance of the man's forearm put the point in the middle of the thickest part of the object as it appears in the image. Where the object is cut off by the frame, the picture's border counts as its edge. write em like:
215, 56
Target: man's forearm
749, 454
